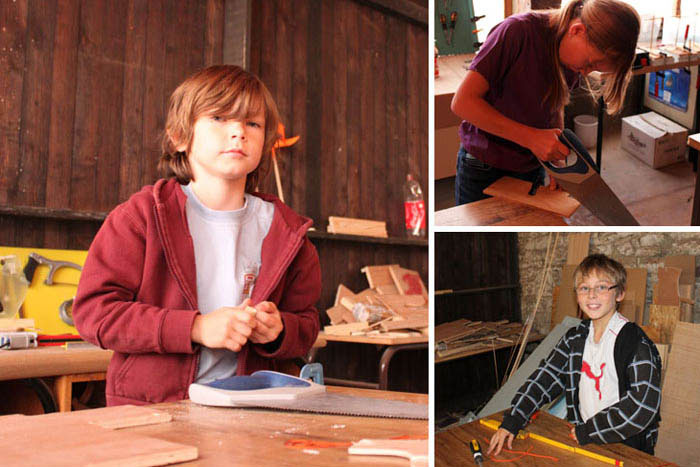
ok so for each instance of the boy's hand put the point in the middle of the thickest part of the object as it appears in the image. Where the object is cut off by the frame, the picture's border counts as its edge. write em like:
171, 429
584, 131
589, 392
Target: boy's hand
269, 323
497, 441
226, 327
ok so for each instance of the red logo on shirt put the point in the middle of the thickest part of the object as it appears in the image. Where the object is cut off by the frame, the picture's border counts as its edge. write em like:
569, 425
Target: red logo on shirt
586, 368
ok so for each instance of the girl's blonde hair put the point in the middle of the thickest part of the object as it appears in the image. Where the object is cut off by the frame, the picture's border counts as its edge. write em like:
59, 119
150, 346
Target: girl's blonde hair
226, 91
612, 27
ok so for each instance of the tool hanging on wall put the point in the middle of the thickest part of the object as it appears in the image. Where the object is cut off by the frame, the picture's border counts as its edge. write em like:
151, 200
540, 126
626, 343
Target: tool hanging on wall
453, 22
477, 45
443, 22
282, 142
35, 259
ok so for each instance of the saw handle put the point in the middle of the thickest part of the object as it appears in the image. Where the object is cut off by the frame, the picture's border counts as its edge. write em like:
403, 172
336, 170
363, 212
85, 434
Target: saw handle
584, 163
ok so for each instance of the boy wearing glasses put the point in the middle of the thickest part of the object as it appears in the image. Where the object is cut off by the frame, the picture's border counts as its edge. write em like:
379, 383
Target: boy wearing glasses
609, 369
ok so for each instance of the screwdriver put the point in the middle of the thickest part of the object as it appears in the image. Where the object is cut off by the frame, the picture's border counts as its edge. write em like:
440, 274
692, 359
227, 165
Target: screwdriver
476, 451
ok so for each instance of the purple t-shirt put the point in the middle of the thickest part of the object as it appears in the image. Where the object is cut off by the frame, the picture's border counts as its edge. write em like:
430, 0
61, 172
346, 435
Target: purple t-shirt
514, 62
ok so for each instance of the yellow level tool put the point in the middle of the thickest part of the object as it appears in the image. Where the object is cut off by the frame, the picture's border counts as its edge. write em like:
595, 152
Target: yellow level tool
494, 425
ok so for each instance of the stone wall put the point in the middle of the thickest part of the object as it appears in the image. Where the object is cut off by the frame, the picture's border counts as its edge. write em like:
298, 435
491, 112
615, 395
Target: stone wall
633, 249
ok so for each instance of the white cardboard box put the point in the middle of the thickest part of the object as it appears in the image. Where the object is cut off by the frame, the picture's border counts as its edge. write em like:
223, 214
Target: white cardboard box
654, 139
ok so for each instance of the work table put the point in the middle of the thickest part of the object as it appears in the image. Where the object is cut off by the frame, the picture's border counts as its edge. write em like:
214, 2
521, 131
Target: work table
236, 436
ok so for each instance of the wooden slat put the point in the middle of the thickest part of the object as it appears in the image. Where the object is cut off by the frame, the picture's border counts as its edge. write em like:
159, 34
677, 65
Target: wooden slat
12, 68
299, 181
578, 247
214, 33
134, 92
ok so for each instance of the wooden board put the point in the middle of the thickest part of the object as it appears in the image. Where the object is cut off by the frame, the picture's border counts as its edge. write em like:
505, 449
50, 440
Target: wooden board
342, 292
378, 275
686, 296
680, 399
413, 323
7, 324
578, 247
113, 418
452, 446
686, 263
345, 329
567, 305
637, 284
666, 289
387, 289
336, 314
66, 441
408, 282
377, 339
352, 226
664, 318
628, 307
516, 190
496, 211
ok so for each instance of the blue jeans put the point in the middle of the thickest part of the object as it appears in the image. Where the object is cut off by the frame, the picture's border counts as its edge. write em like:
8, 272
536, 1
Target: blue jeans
474, 176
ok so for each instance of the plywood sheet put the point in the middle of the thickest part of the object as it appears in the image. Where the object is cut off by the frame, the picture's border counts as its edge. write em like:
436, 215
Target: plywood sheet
680, 399
665, 319
579, 244
628, 307
686, 295
121, 416
496, 211
516, 190
60, 441
342, 292
336, 314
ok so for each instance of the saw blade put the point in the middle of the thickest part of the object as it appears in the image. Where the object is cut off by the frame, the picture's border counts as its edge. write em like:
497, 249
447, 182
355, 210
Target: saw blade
346, 405
597, 196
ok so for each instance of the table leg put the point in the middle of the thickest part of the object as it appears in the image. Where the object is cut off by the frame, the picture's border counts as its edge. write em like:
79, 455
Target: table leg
387, 355
63, 389
695, 218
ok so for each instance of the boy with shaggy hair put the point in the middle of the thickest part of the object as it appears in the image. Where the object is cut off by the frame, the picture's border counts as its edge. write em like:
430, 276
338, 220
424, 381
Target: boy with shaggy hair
173, 274
609, 369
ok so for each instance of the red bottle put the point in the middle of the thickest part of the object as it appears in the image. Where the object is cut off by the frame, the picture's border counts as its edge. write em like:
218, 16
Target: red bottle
414, 208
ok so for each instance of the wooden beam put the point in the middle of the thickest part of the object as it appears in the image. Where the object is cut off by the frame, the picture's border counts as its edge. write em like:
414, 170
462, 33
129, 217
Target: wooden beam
404, 8
52, 213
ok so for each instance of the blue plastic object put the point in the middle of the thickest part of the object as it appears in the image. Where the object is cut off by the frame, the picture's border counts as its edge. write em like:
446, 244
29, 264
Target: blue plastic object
312, 371
258, 380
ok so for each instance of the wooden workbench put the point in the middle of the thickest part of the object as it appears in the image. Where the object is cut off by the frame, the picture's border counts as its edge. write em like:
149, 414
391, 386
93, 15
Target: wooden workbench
256, 437
496, 211
452, 446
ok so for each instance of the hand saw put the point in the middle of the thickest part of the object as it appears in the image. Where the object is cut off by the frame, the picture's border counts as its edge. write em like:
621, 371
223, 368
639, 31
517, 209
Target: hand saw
584, 183
269, 389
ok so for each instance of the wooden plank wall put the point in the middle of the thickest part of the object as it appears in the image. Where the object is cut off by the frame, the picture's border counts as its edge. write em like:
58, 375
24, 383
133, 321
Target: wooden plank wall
353, 82
473, 260
83, 94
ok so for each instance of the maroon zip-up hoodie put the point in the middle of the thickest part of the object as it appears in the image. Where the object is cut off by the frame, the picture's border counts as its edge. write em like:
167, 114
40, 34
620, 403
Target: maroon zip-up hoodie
138, 295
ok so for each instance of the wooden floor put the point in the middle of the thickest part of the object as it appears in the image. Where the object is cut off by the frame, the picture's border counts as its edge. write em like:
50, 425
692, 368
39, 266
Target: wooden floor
654, 197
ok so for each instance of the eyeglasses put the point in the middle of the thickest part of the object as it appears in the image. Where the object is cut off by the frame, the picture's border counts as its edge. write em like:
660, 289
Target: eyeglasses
599, 289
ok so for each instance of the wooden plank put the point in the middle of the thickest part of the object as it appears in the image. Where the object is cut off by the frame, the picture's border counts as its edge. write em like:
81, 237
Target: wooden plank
381, 145
567, 304
686, 297
7, 324
112, 418
415, 450
378, 275
664, 318
628, 307
578, 247
376, 339
637, 284
353, 226
303, 174
495, 211
214, 33
12, 69
353, 114
335, 314
342, 292
134, 90
345, 329
686, 263
694, 141
412, 323
666, 289
67, 442
408, 282
680, 399
516, 190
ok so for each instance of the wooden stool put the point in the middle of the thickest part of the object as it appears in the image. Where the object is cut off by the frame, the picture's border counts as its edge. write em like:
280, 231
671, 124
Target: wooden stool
63, 387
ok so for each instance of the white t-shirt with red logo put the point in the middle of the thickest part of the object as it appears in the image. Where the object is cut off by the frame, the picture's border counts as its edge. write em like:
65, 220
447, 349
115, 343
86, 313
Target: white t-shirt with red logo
598, 388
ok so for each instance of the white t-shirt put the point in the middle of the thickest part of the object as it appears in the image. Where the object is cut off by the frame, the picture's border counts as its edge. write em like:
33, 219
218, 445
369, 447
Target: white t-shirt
227, 255
598, 388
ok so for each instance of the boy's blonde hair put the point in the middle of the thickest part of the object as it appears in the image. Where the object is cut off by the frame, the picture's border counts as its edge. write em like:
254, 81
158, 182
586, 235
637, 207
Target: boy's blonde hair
226, 91
612, 26
602, 264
